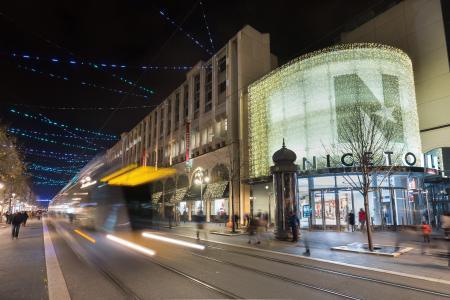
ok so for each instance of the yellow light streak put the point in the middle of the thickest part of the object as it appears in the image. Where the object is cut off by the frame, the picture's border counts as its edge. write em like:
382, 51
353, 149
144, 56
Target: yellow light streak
130, 245
118, 172
142, 175
87, 237
172, 241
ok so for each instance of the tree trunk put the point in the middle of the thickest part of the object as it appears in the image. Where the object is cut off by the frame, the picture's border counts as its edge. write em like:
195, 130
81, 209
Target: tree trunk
368, 223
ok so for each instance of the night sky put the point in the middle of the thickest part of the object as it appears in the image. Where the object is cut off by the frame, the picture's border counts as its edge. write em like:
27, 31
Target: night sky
133, 33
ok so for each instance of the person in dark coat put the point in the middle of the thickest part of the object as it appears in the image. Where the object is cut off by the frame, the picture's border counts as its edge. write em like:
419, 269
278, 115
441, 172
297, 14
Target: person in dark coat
16, 220
25, 218
294, 223
351, 220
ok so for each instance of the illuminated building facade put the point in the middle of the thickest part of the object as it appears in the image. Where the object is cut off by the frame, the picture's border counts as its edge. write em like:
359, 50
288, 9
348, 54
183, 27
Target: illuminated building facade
299, 101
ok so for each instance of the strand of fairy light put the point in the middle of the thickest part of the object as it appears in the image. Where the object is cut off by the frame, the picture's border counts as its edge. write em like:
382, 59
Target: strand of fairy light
74, 62
83, 83
207, 27
62, 136
48, 121
50, 141
187, 34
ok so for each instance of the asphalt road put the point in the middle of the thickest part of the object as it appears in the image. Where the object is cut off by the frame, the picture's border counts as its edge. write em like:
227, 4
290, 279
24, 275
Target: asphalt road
95, 267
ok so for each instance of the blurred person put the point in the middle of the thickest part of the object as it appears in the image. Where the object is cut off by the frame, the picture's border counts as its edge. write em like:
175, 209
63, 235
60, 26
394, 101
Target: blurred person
294, 224
305, 237
362, 219
25, 218
246, 220
16, 220
252, 229
8, 217
351, 220
426, 232
445, 224
185, 216
200, 220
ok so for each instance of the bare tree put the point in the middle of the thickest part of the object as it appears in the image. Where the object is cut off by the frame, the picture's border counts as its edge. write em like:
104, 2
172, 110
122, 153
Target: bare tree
366, 139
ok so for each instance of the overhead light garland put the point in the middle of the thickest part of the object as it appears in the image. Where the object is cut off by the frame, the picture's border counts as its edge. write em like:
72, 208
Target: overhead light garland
44, 119
62, 136
206, 25
112, 66
83, 83
57, 154
132, 83
93, 108
35, 167
64, 159
187, 34
46, 140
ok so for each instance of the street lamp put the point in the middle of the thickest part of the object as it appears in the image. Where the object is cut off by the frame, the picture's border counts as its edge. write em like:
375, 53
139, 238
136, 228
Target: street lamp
269, 216
200, 179
13, 195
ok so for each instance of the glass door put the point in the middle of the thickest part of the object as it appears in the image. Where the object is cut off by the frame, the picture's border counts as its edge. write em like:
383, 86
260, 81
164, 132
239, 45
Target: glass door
329, 204
345, 205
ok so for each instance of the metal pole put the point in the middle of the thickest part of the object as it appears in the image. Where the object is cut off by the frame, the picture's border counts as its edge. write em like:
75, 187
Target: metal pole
269, 216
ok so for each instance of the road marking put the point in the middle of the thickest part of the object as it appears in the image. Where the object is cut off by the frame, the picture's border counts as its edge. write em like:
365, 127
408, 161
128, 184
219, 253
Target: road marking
327, 261
57, 287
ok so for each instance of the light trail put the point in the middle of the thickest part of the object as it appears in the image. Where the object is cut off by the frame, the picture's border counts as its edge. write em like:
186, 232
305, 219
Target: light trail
87, 237
130, 245
172, 241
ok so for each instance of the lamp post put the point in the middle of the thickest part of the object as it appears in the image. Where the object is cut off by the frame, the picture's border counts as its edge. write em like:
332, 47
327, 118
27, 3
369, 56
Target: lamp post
270, 214
200, 179
2, 187
13, 195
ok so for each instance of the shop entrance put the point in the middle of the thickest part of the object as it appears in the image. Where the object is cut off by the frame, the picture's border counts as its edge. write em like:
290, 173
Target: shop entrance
330, 208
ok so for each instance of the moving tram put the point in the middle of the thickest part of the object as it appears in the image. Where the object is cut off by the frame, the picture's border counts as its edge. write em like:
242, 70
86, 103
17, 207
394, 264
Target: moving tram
108, 200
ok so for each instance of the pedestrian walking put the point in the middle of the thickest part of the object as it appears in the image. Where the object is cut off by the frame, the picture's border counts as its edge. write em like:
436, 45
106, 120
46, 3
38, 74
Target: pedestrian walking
362, 219
8, 217
426, 232
294, 224
200, 220
25, 218
351, 220
16, 220
445, 224
252, 229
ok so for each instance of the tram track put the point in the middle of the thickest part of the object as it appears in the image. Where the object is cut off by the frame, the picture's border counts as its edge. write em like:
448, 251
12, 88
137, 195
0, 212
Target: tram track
94, 261
279, 277
334, 272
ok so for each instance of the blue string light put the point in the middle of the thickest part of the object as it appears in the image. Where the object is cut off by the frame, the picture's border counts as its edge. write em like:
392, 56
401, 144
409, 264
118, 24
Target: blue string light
73, 62
132, 83
58, 154
62, 136
45, 140
207, 27
188, 35
52, 157
83, 83
56, 170
48, 121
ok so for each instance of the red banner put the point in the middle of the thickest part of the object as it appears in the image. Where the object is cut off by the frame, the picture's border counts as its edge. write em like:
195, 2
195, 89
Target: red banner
188, 141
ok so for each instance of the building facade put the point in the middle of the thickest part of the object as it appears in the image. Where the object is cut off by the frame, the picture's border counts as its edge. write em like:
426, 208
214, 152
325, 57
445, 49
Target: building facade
199, 131
302, 103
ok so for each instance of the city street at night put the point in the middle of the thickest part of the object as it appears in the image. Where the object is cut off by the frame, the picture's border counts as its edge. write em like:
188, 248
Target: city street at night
235, 149
95, 267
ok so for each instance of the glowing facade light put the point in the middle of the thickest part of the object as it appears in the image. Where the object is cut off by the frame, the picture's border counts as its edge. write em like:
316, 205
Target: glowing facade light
172, 241
130, 245
298, 101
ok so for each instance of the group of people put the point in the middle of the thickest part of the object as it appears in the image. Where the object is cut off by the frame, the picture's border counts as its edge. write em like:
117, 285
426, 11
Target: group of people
16, 220
361, 219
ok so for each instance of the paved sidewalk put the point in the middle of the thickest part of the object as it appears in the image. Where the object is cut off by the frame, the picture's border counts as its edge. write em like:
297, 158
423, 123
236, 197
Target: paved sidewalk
431, 264
22, 263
